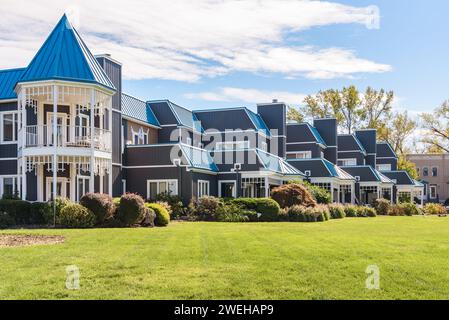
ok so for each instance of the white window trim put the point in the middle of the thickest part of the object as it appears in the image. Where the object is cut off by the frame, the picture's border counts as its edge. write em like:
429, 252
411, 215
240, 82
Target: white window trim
199, 183
15, 184
231, 145
158, 181
141, 131
49, 190
306, 154
234, 193
345, 164
86, 180
124, 186
387, 165
15, 119
430, 191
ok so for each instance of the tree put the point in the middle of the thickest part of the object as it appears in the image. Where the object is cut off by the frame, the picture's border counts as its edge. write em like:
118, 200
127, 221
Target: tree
410, 167
377, 107
351, 109
437, 126
396, 131
293, 114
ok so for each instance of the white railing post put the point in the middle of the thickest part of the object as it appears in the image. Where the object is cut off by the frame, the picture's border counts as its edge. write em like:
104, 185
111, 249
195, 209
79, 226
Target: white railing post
55, 147
92, 132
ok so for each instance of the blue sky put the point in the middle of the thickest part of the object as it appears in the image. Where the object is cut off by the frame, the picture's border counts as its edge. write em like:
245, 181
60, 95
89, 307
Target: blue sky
210, 53
412, 39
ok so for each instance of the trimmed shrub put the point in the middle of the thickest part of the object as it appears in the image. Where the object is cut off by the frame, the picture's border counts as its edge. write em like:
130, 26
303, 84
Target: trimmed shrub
39, 212
351, 211
175, 205
435, 209
61, 203
325, 212
321, 195
18, 210
293, 194
310, 214
337, 211
76, 216
410, 209
283, 215
162, 216
297, 214
366, 212
232, 212
248, 203
268, 208
204, 208
100, 204
6, 220
382, 206
396, 210
131, 209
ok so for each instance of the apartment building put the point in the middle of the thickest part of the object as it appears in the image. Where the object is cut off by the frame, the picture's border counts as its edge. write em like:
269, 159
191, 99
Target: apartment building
66, 128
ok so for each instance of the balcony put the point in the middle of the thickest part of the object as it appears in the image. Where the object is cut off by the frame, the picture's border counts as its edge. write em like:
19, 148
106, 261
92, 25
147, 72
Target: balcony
66, 136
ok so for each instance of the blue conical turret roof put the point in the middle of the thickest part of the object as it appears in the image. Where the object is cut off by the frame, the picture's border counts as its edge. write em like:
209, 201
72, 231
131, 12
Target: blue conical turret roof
65, 56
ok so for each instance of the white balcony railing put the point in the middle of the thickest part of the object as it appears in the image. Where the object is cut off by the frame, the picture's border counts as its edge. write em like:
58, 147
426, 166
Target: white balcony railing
66, 136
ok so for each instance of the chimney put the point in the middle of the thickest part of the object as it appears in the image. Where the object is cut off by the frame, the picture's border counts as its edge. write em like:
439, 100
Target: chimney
368, 139
275, 116
327, 128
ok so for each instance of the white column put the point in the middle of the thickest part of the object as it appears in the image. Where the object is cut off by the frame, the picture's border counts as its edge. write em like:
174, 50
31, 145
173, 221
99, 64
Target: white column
73, 182
353, 193
101, 181
422, 197
391, 194
110, 145
267, 189
55, 147
23, 122
332, 192
338, 193
40, 182
24, 179
92, 155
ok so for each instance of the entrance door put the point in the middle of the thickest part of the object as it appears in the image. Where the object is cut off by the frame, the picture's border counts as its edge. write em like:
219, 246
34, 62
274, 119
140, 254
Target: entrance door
227, 189
61, 128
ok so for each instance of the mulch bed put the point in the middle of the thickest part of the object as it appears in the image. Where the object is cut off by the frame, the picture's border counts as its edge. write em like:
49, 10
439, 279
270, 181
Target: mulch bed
16, 240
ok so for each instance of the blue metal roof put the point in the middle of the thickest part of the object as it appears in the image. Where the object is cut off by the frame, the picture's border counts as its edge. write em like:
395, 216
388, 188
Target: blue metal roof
316, 134
277, 164
138, 109
258, 122
64, 56
183, 116
199, 158
8, 80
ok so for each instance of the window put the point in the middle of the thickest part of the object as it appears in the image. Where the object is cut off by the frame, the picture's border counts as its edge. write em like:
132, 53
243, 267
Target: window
232, 145
433, 191
425, 172
155, 187
384, 167
434, 172
203, 188
140, 137
9, 127
9, 185
300, 155
347, 162
83, 186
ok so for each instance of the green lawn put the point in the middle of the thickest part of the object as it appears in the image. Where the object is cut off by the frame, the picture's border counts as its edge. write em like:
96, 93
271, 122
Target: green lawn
238, 261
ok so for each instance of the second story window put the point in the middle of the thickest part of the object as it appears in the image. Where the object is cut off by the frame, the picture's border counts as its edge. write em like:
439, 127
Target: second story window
347, 162
232, 145
300, 155
9, 127
384, 167
425, 172
434, 172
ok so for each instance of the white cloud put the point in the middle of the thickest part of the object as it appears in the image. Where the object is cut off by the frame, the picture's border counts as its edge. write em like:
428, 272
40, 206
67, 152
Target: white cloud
230, 94
190, 40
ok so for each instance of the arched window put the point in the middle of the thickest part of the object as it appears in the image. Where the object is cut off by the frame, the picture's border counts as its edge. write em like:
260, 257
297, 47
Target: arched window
425, 172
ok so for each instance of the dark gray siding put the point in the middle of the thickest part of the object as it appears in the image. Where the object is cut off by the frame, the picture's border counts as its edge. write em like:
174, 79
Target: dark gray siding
401, 177
313, 147
8, 150
163, 112
368, 139
114, 72
393, 162
327, 128
151, 156
274, 116
31, 186
316, 167
8, 106
299, 133
365, 173
225, 160
353, 155
117, 181
225, 119
8, 167
116, 137
213, 186
168, 134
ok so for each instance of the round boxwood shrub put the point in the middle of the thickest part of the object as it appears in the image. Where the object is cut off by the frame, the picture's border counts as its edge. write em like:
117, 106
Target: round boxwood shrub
205, 208
337, 211
293, 194
19, 210
321, 195
131, 209
76, 216
162, 216
382, 206
100, 204
39, 212
268, 208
